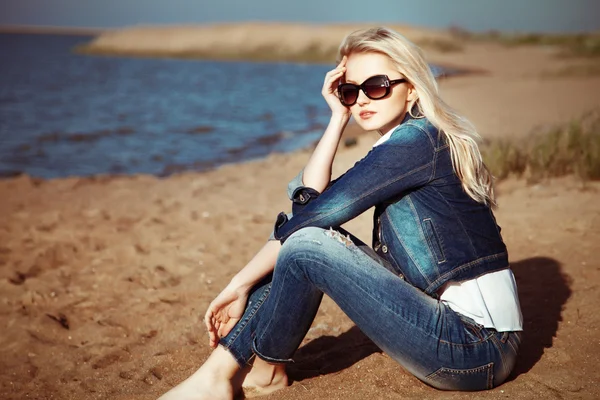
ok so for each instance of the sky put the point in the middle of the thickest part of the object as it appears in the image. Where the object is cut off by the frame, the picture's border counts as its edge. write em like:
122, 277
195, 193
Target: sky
475, 15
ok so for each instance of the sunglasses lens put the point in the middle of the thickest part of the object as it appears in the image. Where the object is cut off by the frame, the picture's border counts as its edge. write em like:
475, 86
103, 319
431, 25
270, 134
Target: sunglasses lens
348, 94
375, 87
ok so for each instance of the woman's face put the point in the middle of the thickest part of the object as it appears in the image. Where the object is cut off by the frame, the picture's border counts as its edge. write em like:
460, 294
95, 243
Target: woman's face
383, 114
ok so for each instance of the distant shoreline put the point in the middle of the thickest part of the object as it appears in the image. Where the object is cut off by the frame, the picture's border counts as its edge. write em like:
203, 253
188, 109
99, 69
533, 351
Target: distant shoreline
50, 30
250, 41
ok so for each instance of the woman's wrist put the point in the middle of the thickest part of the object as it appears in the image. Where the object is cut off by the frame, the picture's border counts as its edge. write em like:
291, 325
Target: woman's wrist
238, 284
338, 118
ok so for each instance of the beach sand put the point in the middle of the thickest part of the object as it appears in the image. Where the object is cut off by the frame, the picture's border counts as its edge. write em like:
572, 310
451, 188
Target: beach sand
104, 280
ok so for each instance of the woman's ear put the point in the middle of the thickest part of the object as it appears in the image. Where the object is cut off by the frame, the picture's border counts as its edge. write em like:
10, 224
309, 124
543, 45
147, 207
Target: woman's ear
412, 93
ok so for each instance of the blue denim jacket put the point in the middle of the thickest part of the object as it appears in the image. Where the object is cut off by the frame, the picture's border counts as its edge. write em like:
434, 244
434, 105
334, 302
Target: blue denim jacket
425, 225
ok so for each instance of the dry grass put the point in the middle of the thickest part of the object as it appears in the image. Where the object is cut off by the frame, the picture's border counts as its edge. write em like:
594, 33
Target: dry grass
576, 71
570, 149
570, 45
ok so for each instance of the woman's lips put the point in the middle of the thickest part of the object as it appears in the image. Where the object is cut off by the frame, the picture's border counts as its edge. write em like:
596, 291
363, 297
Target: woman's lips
366, 114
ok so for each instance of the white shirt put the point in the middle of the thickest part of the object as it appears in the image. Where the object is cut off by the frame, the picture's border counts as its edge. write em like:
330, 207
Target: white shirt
490, 300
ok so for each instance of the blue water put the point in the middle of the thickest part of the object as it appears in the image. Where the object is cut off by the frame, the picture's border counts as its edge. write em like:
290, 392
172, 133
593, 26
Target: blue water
63, 114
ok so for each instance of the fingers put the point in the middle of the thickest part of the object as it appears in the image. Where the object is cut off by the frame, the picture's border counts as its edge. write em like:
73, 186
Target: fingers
337, 72
209, 321
332, 79
225, 328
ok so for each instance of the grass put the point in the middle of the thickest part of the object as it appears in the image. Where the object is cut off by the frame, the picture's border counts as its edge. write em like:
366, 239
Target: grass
571, 149
313, 53
577, 71
571, 45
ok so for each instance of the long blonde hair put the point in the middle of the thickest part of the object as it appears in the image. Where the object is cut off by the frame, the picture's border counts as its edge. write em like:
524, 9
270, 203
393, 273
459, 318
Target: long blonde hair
461, 135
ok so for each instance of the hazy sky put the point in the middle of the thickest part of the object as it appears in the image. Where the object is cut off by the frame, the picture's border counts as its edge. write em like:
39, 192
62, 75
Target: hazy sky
521, 15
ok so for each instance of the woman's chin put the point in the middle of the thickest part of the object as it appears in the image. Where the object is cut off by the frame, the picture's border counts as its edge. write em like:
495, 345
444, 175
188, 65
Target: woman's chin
368, 124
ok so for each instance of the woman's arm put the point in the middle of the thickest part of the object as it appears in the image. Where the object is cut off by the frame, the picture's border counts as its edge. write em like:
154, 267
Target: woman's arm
317, 172
258, 267
229, 305
404, 162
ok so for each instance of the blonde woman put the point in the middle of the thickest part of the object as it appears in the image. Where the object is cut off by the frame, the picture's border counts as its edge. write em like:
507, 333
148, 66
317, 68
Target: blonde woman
434, 291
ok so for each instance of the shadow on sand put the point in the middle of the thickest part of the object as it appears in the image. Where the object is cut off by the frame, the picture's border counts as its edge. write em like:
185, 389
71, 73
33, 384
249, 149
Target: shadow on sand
543, 292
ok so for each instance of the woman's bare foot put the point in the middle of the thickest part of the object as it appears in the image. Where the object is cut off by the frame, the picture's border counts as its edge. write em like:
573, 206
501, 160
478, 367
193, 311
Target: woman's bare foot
212, 381
264, 378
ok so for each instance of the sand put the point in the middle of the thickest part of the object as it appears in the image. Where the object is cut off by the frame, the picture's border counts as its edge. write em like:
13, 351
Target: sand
104, 280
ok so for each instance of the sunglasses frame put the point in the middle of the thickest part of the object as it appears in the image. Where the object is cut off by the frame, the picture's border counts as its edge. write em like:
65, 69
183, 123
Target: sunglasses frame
387, 84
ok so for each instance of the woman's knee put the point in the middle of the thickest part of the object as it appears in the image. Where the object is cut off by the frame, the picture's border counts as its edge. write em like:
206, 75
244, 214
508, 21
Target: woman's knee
309, 238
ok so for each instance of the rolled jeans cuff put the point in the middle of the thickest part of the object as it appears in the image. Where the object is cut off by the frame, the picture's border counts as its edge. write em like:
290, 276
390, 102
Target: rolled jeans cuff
267, 358
241, 360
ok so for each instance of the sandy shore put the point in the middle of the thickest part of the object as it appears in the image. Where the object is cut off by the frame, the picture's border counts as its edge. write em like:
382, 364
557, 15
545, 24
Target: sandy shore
251, 40
103, 280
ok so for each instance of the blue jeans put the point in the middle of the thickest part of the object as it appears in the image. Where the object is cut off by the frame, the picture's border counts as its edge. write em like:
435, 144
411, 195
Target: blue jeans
439, 346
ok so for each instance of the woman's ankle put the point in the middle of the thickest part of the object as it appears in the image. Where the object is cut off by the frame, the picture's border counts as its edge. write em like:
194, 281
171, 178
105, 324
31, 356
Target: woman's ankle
213, 380
264, 374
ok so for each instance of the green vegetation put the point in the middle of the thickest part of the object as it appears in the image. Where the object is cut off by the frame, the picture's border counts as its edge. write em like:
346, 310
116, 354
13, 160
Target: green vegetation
576, 71
572, 149
313, 53
577, 45
441, 45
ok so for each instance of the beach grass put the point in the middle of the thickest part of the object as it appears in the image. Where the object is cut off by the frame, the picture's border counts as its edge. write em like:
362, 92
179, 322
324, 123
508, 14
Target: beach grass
266, 53
586, 70
570, 45
314, 52
565, 150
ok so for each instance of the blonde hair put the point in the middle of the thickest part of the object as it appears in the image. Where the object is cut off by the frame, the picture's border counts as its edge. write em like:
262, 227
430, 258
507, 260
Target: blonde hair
461, 135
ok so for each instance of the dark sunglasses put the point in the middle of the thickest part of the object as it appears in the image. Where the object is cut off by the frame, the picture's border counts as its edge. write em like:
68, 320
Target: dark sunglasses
375, 88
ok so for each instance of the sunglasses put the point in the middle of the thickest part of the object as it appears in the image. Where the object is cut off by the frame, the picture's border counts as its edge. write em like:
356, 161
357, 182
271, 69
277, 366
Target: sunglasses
375, 88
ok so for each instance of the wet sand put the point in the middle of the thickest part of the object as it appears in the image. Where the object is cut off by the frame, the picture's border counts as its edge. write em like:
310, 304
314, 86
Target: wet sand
104, 280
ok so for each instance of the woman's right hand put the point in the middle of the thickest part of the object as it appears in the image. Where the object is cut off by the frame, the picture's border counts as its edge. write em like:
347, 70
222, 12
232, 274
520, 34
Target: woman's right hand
224, 312
329, 92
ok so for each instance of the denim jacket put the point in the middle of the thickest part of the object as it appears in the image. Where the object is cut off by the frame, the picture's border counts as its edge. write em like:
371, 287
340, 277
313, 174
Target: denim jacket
425, 224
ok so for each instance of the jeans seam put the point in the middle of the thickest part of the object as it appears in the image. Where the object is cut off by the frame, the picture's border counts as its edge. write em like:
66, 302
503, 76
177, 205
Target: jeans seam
246, 320
496, 343
268, 325
367, 293
510, 343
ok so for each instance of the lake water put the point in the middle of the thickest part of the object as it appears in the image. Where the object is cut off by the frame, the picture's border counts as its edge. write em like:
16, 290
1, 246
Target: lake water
63, 114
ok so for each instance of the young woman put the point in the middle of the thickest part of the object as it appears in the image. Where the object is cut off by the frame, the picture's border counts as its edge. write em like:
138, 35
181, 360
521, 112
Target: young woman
434, 292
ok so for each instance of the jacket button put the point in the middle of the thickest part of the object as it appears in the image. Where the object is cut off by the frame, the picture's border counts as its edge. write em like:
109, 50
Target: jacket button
384, 248
301, 198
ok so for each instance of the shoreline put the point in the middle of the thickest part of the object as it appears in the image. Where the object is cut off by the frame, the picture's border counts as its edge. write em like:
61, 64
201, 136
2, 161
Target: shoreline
250, 41
50, 30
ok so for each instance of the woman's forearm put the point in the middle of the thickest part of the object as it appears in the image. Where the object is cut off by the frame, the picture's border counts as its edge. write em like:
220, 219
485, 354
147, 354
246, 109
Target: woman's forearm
317, 172
258, 267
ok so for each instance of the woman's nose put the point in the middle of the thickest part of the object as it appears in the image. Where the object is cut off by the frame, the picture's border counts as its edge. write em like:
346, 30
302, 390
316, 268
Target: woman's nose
362, 98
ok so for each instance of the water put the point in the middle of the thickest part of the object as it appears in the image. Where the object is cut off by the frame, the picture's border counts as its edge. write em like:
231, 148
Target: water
63, 114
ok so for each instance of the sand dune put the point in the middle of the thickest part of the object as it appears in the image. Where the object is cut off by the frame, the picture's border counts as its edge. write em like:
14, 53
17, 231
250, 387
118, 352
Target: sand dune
247, 40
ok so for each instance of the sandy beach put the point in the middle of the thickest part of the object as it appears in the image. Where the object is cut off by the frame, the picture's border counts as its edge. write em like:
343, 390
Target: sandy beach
104, 280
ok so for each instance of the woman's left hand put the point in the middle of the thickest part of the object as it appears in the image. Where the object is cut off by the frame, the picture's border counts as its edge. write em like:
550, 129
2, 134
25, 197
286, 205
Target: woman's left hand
329, 90
224, 312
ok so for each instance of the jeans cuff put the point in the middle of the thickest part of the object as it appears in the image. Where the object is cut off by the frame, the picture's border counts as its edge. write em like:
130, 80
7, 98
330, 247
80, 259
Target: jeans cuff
267, 358
241, 360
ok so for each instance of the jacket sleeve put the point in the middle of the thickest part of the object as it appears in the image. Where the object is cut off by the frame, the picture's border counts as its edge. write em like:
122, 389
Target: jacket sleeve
299, 194
403, 163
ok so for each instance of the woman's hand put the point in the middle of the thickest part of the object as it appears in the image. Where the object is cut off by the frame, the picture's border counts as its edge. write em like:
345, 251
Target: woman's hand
329, 92
224, 312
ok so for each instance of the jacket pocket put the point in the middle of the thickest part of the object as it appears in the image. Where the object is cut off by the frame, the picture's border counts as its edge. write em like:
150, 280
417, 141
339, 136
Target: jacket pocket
433, 240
